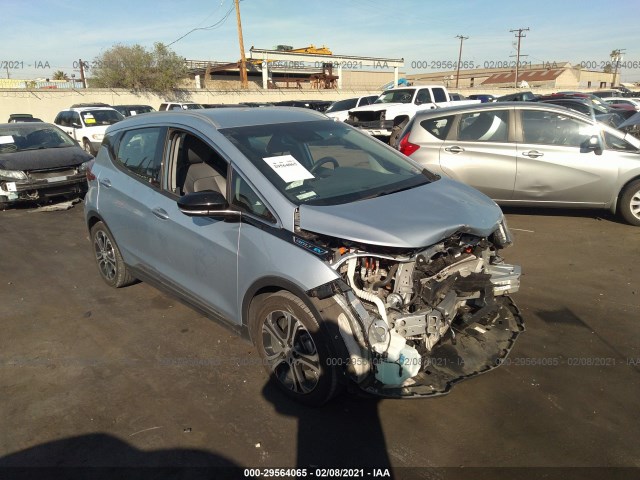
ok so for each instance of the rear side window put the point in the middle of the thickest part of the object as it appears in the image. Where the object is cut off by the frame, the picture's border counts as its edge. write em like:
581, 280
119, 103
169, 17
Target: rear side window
491, 126
140, 152
439, 95
438, 127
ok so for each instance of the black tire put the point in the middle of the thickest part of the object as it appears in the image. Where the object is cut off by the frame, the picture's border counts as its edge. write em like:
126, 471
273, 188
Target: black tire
395, 134
86, 146
111, 267
629, 205
293, 349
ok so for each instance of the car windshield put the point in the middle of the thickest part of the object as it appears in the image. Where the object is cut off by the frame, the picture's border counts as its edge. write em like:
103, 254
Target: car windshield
342, 105
93, 118
402, 95
191, 106
31, 136
324, 162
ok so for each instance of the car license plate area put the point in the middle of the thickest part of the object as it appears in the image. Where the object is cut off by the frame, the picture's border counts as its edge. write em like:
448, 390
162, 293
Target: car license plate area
56, 179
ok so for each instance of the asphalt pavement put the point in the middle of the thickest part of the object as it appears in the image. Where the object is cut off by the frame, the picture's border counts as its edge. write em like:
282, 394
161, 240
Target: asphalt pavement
91, 376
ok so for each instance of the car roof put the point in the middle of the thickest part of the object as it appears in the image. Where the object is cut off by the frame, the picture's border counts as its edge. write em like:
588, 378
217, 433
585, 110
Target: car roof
494, 106
85, 109
229, 117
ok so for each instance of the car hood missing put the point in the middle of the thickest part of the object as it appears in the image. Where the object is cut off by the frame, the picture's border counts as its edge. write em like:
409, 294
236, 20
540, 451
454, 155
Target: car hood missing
412, 218
43, 159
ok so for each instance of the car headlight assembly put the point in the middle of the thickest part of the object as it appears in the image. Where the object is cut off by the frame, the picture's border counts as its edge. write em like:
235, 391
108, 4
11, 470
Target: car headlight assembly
502, 236
97, 136
12, 175
83, 167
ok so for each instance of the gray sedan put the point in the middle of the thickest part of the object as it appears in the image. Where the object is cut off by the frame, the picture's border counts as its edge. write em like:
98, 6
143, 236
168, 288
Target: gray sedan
528, 154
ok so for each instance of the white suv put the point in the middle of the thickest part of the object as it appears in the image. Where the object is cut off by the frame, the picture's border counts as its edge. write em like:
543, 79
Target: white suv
86, 125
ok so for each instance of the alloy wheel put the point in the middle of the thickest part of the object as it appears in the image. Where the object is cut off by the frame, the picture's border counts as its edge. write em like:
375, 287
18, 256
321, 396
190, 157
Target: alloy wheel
105, 255
290, 352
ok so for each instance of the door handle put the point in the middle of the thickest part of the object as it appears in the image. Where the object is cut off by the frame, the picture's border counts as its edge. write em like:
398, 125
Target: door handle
161, 213
105, 182
533, 154
454, 149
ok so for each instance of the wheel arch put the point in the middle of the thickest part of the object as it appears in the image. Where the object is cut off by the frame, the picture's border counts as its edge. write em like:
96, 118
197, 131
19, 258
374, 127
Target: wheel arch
615, 205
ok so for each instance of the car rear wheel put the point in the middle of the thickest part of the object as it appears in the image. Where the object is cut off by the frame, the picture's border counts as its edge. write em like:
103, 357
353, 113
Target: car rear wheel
293, 349
630, 203
108, 258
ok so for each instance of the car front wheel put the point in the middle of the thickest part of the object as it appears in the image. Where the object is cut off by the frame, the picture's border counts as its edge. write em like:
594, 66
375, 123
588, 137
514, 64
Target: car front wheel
86, 145
110, 264
630, 203
293, 349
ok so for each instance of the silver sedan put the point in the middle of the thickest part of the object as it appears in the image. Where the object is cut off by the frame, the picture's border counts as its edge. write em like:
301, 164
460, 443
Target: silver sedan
528, 154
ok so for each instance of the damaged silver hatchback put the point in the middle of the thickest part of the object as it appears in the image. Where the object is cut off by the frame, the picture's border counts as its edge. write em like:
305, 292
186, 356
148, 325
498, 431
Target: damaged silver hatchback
345, 262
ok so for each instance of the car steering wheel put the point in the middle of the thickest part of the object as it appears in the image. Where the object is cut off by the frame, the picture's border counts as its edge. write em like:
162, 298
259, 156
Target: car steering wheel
322, 161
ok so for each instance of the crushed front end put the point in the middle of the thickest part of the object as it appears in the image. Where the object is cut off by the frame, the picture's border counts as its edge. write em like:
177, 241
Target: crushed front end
417, 322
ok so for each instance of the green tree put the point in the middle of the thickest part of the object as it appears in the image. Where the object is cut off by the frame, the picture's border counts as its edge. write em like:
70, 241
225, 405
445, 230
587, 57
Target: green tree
60, 75
136, 68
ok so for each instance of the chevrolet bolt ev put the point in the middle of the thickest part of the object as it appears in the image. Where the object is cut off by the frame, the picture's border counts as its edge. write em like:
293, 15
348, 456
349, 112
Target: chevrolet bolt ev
346, 263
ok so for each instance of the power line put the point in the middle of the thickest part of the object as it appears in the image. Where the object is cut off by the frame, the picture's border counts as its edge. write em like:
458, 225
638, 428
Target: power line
218, 24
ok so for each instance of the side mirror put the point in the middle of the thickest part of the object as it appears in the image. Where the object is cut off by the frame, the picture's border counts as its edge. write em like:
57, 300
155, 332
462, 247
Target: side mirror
594, 144
76, 125
206, 204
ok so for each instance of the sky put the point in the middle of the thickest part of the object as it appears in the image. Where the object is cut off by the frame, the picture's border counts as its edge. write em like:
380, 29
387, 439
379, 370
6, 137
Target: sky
38, 37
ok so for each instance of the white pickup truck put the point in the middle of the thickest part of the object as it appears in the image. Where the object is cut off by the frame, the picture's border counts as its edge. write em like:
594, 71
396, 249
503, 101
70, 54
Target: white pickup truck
389, 114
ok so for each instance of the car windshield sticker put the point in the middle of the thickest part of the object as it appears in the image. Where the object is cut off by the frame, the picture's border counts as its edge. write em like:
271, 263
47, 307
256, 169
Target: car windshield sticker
6, 139
288, 168
89, 119
305, 195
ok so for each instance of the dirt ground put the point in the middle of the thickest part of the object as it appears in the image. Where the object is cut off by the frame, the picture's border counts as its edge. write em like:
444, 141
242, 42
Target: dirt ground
96, 377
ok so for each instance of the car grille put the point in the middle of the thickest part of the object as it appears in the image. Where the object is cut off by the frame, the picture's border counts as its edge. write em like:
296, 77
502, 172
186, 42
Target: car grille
44, 174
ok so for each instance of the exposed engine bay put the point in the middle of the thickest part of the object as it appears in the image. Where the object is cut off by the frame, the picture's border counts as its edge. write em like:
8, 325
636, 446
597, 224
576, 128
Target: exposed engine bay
416, 301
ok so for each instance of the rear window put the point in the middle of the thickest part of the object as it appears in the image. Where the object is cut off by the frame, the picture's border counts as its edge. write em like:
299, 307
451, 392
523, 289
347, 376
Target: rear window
438, 127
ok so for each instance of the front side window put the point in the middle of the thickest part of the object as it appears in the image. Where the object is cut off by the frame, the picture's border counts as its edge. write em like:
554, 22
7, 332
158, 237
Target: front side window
488, 126
246, 199
324, 162
140, 152
551, 128
616, 143
423, 96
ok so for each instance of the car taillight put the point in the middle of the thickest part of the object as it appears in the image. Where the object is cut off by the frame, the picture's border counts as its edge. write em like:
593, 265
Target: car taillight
406, 147
89, 173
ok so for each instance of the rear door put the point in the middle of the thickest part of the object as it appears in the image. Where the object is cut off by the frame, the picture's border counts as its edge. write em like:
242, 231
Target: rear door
555, 163
479, 150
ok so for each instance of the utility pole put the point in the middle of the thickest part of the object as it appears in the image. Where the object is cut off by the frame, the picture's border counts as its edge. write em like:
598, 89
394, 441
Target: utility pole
616, 57
462, 39
82, 79
243, 61
520, 35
